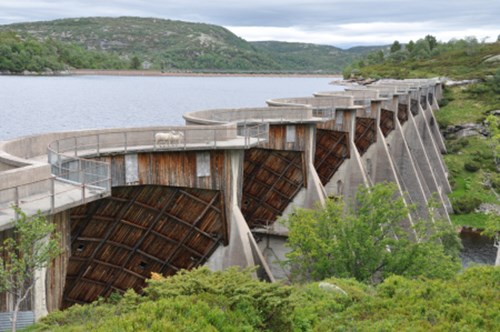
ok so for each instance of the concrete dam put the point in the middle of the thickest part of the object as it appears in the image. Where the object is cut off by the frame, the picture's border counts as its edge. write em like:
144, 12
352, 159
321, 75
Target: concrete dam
129, 202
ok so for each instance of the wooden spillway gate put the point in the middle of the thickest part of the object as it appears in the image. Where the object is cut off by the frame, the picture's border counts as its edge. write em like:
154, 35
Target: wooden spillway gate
171, 218
274, 174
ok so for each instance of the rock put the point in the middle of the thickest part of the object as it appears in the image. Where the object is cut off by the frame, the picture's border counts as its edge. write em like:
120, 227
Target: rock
463, 82
331, 287
494, 58
496, 112
465, 130
489, 208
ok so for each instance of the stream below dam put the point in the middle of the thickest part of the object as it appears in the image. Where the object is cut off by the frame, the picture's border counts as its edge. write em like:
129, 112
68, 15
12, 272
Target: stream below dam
478, 249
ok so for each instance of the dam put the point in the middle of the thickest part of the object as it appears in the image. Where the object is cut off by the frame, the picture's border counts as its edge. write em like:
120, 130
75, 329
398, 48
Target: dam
128, 204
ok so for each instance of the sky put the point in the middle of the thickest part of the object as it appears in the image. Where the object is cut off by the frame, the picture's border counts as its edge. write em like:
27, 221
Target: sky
341, 23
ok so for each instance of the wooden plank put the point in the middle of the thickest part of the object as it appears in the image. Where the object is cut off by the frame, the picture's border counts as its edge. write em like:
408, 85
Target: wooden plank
137, 242
402, 113
386, 121
268, 189
365, 134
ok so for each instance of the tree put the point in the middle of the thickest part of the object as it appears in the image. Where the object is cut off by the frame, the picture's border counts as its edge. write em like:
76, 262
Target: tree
375, 57
411, 46
421, 50
31, 248
366, 241
396, 46
135, 63
432, 41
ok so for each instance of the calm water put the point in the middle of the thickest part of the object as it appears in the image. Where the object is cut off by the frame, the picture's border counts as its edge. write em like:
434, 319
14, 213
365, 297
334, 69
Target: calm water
31, 105
477, 249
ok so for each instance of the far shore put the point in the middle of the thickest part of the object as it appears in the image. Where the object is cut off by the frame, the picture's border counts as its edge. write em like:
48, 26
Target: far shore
187, 73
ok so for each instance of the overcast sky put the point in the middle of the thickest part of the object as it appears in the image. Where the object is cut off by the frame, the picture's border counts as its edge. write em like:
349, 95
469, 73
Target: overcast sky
342, 23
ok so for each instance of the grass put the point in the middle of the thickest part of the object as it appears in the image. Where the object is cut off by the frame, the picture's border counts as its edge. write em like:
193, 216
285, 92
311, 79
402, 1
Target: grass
461, 109
468, 105
475, 220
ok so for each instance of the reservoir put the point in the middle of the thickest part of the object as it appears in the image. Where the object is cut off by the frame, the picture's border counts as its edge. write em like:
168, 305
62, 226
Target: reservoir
33, 105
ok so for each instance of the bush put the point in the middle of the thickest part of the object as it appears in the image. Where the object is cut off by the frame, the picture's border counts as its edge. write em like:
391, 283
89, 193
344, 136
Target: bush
495, 181
472, 166
454, 146
465, 204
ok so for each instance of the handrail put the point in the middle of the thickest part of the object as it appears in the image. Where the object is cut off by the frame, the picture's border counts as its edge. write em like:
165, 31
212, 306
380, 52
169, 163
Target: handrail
47, 195
70, 149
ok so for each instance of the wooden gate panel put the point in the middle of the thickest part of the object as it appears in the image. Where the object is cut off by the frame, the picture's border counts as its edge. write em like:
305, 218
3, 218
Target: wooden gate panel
271, 179
118, 241
332, 148
402, 113
366, 134
386, 121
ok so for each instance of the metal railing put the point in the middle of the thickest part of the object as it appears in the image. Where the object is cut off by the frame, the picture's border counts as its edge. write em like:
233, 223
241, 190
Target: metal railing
48, 194
67, 151
271, 114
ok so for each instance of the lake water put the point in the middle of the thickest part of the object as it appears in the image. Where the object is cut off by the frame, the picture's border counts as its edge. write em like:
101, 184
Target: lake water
32, 105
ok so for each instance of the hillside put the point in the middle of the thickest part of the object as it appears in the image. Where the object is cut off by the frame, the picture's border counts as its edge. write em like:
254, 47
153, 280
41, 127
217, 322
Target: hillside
456, 59
150, 43
157, 43
312, 57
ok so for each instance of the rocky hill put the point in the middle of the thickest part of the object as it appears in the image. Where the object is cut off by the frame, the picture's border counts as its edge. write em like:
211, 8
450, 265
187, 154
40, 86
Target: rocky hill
175, 45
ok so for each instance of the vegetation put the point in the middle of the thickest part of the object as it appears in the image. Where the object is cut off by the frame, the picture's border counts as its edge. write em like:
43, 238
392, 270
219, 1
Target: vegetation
367, 241
232, 301
459, 59
148, 43
27, 251
199, 300
19, 54
311, 57
472, 161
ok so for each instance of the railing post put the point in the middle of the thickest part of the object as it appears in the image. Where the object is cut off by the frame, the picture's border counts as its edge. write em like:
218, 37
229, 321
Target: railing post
215, 138
245, 134
52, 194
83, 192
98, 145
76, 151
80, 171
16, 198
126, 142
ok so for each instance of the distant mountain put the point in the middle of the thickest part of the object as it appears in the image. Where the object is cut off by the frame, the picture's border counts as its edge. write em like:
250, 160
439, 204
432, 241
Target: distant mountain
176, 45
308, 57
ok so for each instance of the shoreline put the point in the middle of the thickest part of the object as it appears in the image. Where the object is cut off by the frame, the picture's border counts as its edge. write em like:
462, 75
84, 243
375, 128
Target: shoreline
157, 73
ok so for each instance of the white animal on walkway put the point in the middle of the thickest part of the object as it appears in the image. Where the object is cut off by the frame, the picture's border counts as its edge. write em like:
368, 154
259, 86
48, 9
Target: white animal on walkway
169, 138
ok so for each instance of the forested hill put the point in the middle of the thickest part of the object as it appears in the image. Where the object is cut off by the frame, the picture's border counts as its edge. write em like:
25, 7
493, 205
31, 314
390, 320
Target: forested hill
313, 56
149, 43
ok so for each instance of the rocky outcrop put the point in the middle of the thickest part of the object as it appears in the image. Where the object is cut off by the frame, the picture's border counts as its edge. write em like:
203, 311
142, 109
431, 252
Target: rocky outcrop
465, 130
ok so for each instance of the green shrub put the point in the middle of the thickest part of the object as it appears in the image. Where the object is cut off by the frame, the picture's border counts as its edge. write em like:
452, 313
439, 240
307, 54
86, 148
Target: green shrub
465, 204
472, 166
495, 181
